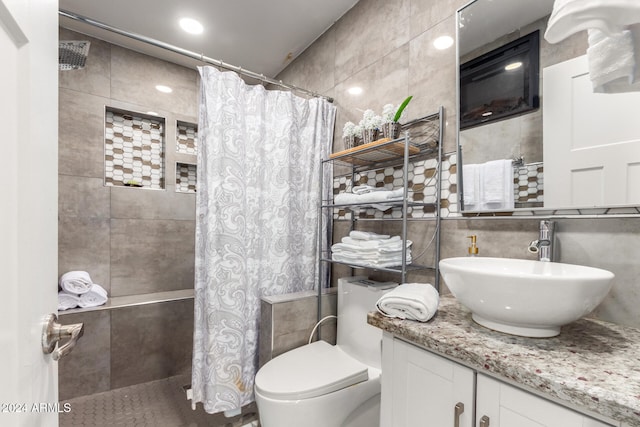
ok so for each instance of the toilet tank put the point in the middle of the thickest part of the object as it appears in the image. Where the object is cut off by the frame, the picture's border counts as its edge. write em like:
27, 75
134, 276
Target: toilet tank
356, 297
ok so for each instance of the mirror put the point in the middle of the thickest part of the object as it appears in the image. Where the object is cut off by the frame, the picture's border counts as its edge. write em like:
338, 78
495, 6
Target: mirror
500, 114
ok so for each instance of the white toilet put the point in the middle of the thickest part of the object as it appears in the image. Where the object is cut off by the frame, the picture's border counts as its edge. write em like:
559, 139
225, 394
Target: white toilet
321, 385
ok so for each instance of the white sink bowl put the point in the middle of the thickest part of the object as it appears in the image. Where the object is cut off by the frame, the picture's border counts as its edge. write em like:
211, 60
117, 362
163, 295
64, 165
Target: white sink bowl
524, 297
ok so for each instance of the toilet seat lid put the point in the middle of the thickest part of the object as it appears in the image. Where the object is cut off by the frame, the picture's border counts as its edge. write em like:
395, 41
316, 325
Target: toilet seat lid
309, 371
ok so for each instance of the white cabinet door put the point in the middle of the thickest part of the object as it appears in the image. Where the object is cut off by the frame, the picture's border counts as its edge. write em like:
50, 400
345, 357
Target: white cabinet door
508, 406
422, 389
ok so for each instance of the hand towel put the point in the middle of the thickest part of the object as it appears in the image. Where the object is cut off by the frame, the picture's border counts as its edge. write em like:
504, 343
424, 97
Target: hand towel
609, 16
67, 300
95, 297
613, 61
471, 186
496, 183
76, 282
367, 235
414, 301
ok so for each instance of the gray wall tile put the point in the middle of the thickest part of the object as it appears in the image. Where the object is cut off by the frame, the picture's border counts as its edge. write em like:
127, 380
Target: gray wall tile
145, 345
151, 255
87, 369
81, 134
132, 203
83, 244
134, 77
83, 197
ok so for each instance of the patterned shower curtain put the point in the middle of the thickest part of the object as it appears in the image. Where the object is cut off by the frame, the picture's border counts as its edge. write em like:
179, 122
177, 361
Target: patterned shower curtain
259, 158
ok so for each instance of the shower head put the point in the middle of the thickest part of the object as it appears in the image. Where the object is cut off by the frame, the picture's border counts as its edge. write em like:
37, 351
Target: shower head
72, 54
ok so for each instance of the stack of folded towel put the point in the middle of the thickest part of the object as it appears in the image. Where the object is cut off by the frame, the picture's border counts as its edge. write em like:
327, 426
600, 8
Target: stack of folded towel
371, 249
78, 290
413, 301
368, 195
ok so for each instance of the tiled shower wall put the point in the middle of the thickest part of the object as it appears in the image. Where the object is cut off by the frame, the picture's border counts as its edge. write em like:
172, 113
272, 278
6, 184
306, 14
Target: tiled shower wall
131, 240
386, 47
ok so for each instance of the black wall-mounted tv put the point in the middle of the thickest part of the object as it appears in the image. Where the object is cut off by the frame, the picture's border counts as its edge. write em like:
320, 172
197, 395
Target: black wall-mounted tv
501, 83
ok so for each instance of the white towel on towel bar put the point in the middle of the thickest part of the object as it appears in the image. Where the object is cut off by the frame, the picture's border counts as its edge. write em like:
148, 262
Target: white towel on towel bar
414, 301
496, 185
76, 282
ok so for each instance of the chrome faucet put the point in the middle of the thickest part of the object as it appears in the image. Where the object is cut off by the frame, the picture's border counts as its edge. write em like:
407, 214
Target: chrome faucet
544, 246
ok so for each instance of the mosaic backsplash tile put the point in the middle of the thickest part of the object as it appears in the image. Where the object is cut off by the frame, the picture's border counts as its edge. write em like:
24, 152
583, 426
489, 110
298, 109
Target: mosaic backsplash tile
528, 185
186, 174
133, 150
421, 188
186, 138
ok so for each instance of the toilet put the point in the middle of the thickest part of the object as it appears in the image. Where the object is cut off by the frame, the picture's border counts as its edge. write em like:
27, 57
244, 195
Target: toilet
322, 385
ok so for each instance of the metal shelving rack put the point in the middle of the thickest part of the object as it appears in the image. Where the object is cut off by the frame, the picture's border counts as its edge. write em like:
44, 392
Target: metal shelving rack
422, 139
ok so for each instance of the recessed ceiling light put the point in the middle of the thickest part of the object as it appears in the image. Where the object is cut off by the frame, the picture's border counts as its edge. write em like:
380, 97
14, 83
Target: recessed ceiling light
164, 89
513, 66
152, 113
191, 26
355, 90
443, 42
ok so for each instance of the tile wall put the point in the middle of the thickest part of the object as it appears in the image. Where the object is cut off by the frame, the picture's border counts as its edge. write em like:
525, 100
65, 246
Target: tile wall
386, 48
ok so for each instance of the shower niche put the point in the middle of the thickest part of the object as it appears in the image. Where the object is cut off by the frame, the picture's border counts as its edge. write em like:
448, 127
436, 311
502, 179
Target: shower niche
186, 138
186, 177
134, 150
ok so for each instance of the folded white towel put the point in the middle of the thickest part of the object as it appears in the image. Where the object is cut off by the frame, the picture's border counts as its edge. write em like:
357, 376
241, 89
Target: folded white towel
371, 197
382, 262
95, 297
613, 61
609, 16
67, 300
364, 189
76, 282
374, 243
414, 301
367, 235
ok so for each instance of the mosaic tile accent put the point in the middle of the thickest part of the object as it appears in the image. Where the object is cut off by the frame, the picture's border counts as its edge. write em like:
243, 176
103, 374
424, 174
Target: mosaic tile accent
528, 185
186, 174
186, 138
421, 188
133, 150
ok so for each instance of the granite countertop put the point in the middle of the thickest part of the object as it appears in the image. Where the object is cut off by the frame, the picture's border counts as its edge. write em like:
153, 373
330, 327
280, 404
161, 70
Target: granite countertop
591, 364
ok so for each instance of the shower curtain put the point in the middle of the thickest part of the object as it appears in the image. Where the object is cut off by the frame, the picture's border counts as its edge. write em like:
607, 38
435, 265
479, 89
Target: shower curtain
259, 165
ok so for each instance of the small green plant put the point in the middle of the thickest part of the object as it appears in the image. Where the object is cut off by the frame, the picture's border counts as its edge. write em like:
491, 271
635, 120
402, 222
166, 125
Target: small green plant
401, 108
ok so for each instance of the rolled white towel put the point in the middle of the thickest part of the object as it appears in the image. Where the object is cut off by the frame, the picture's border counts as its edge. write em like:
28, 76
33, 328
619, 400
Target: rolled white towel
414, 301
95, 297
67, 300
76, 282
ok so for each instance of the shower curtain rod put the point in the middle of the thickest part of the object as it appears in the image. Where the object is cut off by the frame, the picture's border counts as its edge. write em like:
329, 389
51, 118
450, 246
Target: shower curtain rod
190, 54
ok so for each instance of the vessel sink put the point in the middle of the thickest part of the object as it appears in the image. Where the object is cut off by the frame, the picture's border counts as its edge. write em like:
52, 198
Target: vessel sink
524, 297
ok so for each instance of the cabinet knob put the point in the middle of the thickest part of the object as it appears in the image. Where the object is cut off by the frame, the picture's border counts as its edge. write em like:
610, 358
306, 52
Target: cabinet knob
484, 421
457, 411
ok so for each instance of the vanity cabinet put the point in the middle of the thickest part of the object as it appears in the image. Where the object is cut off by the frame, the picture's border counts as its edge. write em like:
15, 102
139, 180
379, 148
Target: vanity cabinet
420, 388
500, 404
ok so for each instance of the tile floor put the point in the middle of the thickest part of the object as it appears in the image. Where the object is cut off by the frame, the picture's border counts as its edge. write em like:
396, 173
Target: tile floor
159, 403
